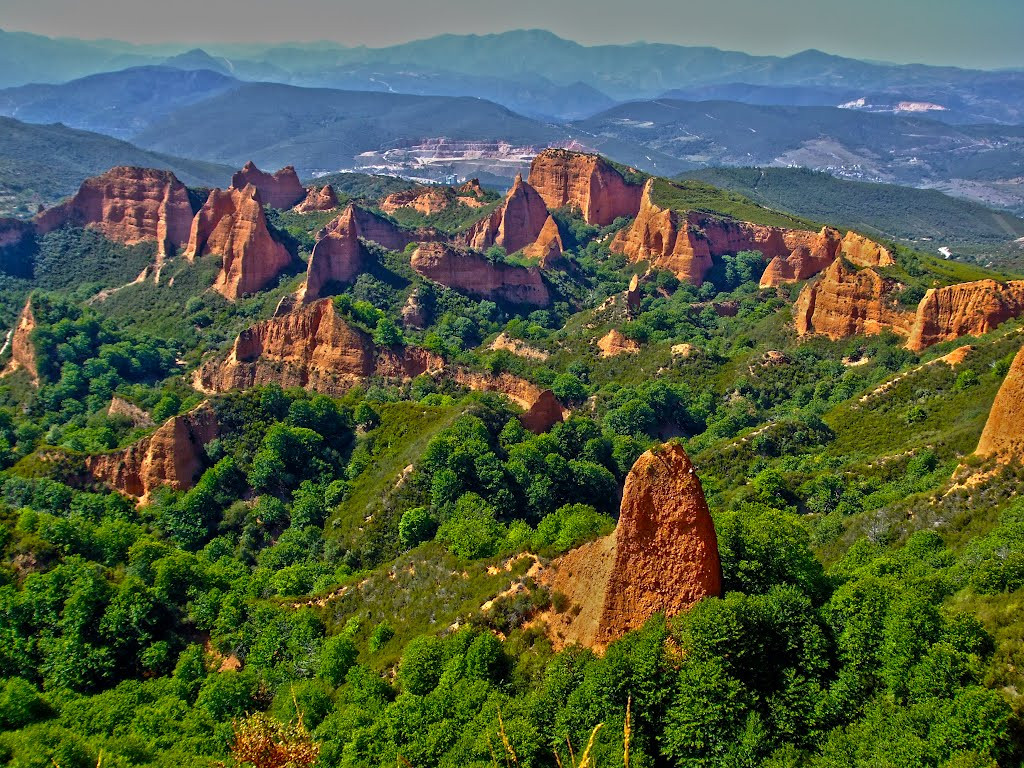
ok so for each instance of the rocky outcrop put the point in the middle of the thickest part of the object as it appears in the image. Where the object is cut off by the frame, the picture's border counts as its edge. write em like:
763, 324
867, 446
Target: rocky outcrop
517, 347
661, 558
472, 273
633, 295
1003, 436
427, 200
965, 309
278, 190
173, 455
414, 314
232, 225
322, 199
513, 225
588, 183
863, 252
547, 248
314, 348
614, 343
23, 352
121, 408
127, 205
845, 302
541, 408
804, 261
685, 242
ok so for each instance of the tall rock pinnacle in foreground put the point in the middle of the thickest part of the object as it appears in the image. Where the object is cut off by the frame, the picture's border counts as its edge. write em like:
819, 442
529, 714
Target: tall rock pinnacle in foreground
1003, 435
661, 558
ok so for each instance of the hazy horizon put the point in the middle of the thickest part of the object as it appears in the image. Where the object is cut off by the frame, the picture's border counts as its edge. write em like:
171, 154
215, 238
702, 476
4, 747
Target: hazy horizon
982, 35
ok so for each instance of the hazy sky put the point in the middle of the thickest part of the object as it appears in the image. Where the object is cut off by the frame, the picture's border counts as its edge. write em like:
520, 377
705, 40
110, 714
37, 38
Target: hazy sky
973, 33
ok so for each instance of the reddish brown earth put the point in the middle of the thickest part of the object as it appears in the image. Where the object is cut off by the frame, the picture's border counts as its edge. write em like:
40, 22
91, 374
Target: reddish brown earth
127, 205
23, 352
845, 302
313, 348
232, 225
685, 243
614, 343
322, 199
427, 200
661, 558
547, 248
414, 314
586, 182
337, 256
472, 273
278, 190
513, 225
864, 252
805, 260
965, 309
173, 455
1003, 436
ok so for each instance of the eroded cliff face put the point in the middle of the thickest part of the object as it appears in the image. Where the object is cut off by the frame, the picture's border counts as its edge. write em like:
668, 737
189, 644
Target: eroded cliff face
173, 455
513, 225
23, 352
1003, 436
684, 243
586, 182
318, 199
807, 258
965, 309
613, 344
337, 256
127, 205
472, 273
845, 302
278, 190
863, 252
662, 556
547, 248
312, 347
541, 408
232, 225
434, 199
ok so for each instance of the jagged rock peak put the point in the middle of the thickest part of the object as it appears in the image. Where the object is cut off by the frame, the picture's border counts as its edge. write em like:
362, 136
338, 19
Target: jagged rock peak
278, 190
586, 182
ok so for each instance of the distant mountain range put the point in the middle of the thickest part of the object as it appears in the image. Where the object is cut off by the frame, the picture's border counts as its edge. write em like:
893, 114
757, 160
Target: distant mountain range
539, 74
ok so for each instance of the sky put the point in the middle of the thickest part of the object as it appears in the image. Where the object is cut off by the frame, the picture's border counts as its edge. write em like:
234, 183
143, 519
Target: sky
969, 33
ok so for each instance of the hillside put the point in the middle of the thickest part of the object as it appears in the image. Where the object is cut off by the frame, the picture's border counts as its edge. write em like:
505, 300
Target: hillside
40, 164
925, 219
610, 469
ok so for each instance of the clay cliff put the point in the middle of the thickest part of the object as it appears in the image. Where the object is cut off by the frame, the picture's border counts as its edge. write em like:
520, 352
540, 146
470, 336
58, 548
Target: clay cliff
127, 205
863, 252
338, 256
662, 556
173, 455
684, 243
513, 225
965, 309
313, 347
472, 273
278, 190
586, 182
1003, 436
322, 199
805, 260
232, 225
541, 408
845, 302
23, 352
433, 200
547, 248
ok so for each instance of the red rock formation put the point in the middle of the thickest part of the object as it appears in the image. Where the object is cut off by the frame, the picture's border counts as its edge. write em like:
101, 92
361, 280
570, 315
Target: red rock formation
805, 260
472, 273
542, 409
845, 302
515, 224
173, 455
863, 252
279, 190
471, 188
614, 343
322, 199
127, 205
965, 309
312, 347
1003, 436
23, 352
586, 182
633, 295
547, 248
684, 243
231, 224
662, 557
427, 200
